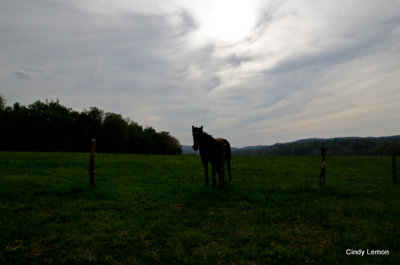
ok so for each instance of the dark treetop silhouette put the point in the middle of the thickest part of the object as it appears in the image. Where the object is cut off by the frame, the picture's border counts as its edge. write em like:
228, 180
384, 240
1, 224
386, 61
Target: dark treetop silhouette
217, 151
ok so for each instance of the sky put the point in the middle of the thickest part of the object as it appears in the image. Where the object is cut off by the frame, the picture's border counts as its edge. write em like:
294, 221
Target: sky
254, 72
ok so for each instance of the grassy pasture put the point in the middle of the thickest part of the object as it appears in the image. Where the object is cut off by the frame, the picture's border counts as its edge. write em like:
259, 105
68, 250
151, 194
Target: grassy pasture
149, 209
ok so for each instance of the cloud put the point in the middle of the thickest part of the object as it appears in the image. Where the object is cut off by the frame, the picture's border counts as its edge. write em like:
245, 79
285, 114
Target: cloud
304, 69
20, 75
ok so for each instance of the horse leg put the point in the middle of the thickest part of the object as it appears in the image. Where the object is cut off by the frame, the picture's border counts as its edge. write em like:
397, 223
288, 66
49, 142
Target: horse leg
223, 160
213, 174
221, 176
205, 165
221, 169
223, 173
228, 162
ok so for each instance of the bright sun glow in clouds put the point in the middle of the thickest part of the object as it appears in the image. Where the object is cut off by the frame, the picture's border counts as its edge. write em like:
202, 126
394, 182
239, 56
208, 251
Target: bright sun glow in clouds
230, 21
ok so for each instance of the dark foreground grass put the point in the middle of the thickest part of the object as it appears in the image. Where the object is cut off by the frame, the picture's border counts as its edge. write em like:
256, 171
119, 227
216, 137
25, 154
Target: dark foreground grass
155, 210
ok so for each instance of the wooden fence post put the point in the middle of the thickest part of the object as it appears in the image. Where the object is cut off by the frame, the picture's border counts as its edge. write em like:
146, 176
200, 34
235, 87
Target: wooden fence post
323, 166
394, 169
92, 172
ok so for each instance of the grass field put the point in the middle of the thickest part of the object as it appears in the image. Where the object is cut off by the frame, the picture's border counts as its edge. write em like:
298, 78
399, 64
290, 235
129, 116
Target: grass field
156, 210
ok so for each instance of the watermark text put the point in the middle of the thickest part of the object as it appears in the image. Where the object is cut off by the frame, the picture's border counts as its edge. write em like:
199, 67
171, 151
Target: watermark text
367, 252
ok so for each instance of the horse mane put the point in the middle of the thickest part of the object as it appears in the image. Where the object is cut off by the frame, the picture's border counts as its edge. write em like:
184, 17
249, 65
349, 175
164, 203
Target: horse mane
208, 137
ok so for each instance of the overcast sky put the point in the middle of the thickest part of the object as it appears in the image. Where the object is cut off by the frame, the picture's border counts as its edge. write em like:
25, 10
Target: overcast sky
254, 72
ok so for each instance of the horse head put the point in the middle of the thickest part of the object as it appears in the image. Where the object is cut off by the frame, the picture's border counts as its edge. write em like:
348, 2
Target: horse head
197, 133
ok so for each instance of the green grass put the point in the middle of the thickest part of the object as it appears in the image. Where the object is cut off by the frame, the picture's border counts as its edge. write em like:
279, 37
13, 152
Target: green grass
156, 210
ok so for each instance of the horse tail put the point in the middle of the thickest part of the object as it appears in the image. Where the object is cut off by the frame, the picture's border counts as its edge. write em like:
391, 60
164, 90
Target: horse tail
227, 159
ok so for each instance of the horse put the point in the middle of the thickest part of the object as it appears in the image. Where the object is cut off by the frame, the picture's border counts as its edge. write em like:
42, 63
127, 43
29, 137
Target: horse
217, 151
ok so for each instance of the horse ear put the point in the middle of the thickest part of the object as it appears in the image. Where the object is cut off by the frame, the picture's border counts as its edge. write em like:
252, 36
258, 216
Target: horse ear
201, 128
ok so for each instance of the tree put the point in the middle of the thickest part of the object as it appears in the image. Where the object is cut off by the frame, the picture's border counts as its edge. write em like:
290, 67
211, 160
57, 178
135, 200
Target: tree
113, 133
95, 121
168, 144
2, 102
134, 138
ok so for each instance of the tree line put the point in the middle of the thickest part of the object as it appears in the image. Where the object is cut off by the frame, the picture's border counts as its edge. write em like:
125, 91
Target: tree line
50, 126
352, 146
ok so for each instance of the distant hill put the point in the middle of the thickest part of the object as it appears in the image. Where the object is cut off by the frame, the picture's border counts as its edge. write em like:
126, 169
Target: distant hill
187, 150
357, 146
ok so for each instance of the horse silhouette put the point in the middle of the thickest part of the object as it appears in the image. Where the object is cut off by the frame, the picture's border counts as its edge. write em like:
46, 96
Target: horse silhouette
217, 151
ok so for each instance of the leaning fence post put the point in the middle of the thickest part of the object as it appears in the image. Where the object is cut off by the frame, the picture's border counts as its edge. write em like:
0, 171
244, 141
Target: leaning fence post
323, 165
92, 172
394, 171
